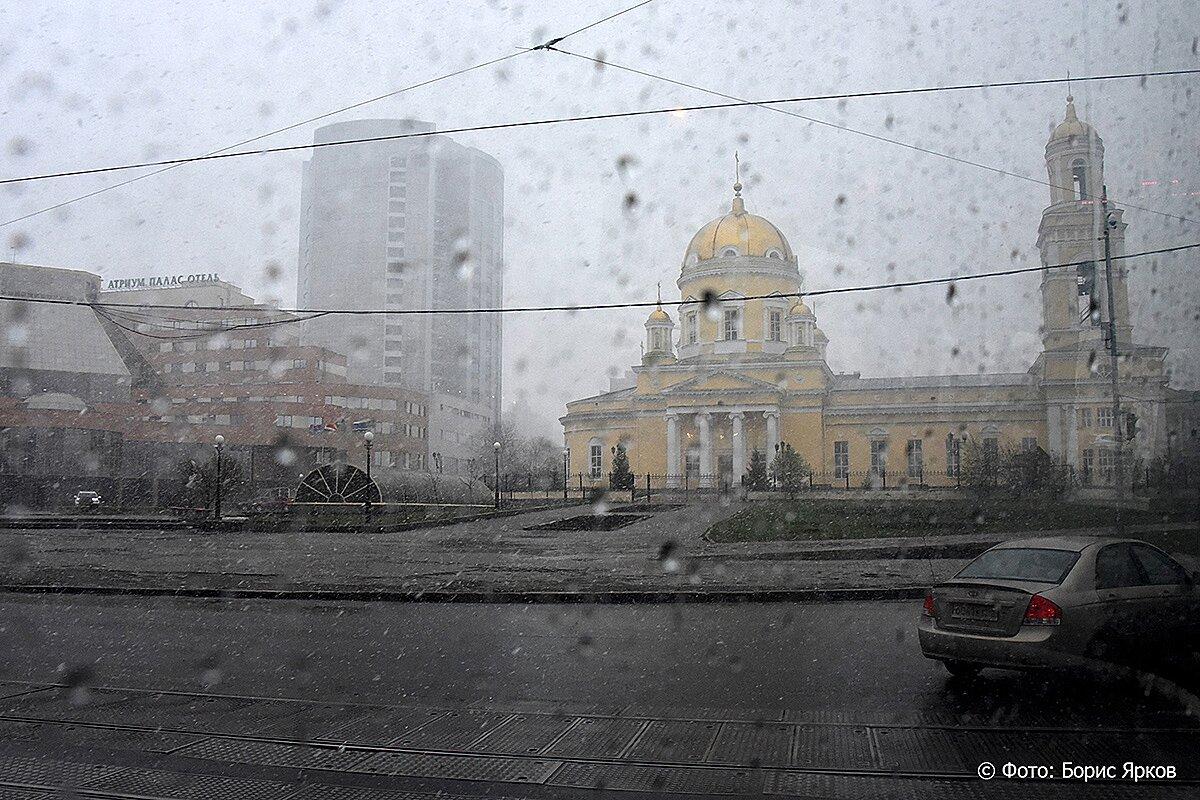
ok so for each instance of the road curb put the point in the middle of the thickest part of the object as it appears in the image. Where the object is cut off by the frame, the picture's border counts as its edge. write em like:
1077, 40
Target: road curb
821, 595
237, 524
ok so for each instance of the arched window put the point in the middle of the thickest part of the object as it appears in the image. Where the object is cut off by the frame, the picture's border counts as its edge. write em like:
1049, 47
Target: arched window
1079, 178
729, 252
775, 254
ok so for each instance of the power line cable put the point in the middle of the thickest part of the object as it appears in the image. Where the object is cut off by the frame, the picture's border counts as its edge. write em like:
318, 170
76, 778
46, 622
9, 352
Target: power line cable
547, 45
200, 334
848, 129
595, 118
253, 139
708, 301
325, 115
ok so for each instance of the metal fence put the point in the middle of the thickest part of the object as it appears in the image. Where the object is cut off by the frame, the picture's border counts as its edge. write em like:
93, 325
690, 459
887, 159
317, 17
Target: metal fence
586, 487
647, 485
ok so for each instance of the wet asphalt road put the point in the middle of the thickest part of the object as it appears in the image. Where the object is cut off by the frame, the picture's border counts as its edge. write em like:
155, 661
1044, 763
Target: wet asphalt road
858, 660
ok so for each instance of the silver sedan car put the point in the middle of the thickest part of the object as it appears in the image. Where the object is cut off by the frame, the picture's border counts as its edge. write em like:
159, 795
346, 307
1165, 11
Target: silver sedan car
1061, 602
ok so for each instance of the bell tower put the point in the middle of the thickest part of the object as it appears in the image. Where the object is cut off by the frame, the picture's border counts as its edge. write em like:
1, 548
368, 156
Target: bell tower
1074, 298
1074, 363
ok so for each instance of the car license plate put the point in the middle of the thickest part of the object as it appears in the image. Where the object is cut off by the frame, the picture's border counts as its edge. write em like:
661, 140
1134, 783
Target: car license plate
974, 612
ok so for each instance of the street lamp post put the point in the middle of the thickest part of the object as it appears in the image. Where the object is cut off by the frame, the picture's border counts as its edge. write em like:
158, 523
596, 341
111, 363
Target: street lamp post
566, 472
368, 440
496, 447
218, 444
1111, 221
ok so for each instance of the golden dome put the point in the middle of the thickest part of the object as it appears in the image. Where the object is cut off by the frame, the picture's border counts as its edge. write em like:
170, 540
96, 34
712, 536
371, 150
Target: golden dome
658, 315
1072, 125
800, 310
738, 233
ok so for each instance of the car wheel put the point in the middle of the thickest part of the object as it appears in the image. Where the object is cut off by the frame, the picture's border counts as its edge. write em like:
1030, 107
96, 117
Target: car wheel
961, 669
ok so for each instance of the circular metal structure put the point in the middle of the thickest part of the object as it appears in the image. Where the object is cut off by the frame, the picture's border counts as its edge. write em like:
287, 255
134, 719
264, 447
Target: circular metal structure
338, 483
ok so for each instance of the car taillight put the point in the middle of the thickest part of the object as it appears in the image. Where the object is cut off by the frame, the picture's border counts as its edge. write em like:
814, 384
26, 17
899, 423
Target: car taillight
927, 610
1042, 612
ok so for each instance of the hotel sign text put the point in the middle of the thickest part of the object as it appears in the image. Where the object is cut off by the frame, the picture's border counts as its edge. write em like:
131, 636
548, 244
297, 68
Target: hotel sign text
161, 282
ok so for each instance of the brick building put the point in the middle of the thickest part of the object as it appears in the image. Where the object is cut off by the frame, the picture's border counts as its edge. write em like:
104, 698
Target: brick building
120, 398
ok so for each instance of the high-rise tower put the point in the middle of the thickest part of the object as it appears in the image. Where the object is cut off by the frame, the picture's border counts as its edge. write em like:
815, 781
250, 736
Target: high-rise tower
403, 224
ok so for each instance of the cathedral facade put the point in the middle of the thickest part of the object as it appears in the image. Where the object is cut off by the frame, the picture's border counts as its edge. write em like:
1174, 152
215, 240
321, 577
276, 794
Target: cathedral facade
741, 367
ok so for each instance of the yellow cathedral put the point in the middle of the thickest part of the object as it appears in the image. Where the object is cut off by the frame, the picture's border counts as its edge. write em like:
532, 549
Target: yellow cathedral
744, 369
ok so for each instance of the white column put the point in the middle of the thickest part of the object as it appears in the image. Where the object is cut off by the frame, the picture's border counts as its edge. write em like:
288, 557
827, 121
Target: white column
673, 468
707, 479
1056, 444
1069, 421
739, 447
1157, 430
772, 418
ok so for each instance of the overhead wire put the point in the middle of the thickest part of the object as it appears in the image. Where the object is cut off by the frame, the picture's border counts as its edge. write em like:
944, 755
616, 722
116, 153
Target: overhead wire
877, 137
325, 115
590, 25
706, 301
592, 118
201, 333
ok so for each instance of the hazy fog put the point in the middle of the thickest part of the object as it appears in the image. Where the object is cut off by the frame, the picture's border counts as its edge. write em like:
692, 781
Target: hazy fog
601, 211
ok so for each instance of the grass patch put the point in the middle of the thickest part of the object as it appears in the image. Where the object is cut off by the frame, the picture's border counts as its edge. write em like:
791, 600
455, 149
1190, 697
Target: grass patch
814, 520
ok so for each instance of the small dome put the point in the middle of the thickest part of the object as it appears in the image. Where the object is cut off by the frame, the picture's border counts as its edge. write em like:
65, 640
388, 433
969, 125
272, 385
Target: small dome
800, 310
658, 315
738, 233
1072, 125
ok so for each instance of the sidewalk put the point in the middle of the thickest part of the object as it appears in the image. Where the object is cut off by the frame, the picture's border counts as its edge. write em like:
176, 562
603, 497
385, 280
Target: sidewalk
661, 555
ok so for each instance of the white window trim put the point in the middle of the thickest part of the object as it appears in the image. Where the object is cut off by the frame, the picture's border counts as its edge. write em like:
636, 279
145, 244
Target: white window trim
595, 471
781, 307
730, 301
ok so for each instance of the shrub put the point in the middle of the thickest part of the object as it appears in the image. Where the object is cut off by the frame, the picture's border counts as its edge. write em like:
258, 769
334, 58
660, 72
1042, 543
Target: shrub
790, 469
757, 478
620, 477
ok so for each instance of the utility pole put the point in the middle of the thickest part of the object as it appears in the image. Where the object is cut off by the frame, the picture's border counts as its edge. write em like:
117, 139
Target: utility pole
219, 444
496, 447
1117, 422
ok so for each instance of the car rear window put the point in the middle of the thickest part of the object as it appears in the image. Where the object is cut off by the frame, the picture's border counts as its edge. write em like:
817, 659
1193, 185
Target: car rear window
1022, 564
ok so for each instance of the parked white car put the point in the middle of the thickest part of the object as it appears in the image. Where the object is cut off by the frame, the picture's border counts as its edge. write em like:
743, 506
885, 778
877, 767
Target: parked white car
1062, 602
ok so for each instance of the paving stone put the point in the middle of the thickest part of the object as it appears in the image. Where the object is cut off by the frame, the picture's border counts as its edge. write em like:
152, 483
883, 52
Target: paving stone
451, 731
453, 767
189, 786
379, 727
49, 772
523, 734
832, 747
14, 793
677, 741
276, 755
658, 780
752, 744
64, 704
201, 713
597, 737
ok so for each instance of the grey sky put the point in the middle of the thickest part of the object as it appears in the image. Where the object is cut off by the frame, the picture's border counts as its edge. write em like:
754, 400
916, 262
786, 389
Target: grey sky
97, 83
